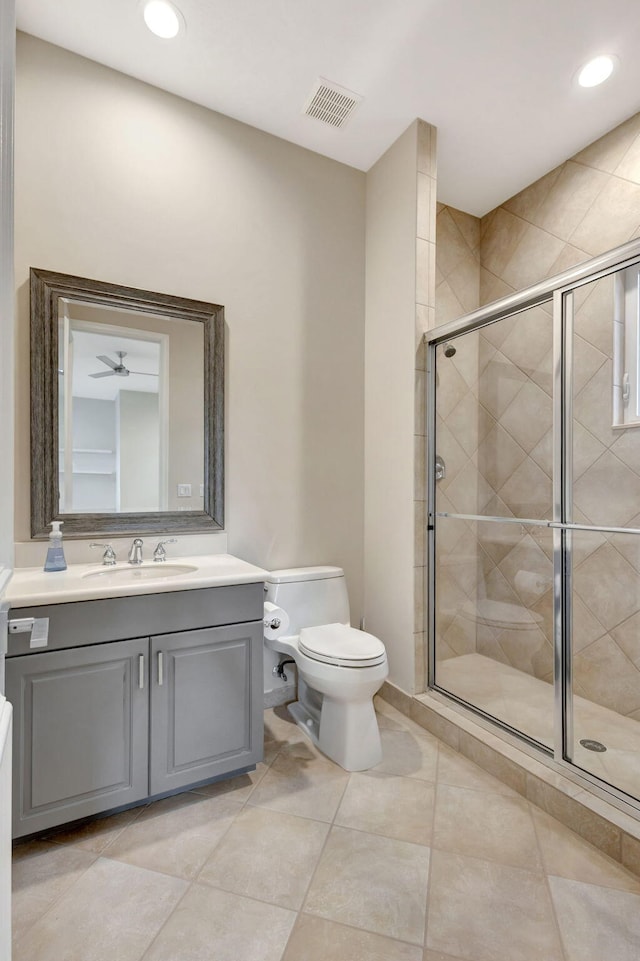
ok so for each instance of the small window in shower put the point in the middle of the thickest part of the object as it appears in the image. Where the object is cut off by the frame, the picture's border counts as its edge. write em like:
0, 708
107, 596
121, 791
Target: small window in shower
626, 348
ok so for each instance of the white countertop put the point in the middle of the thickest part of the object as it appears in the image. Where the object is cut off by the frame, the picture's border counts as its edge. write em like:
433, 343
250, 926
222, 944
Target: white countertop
32, 587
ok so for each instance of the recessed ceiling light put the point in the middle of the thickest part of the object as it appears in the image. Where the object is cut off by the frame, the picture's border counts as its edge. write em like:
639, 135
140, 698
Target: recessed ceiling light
162, 18
596, 71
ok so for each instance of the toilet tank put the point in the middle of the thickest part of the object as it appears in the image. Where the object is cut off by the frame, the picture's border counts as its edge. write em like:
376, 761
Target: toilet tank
310, 595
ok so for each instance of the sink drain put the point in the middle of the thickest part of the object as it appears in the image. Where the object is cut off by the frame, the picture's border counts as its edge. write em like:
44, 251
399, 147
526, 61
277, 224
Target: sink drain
593, 745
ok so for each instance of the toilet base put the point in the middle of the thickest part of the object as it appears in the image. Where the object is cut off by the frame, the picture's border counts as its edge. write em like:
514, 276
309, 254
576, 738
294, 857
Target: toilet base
346, 732
307, 724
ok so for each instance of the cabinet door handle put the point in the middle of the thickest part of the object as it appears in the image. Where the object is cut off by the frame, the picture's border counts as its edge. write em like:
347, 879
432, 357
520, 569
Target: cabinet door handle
160, 669
141, 671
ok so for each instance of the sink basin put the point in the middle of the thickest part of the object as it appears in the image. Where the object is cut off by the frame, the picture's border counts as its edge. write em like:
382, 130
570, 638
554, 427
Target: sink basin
142, 572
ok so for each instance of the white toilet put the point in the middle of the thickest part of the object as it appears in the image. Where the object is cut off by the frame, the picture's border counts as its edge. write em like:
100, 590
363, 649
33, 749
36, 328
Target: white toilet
339, 667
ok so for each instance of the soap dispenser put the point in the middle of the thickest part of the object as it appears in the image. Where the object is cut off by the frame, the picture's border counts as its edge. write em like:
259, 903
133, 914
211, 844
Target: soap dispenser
55, 554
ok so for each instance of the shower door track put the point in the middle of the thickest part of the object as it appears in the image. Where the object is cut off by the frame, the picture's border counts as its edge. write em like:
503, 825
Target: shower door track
559, 289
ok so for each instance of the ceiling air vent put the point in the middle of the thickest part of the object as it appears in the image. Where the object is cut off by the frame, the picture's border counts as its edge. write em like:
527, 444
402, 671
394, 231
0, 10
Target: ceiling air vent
331, 103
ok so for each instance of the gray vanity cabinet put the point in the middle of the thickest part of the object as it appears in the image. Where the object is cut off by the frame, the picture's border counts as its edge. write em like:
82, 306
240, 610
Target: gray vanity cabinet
82, 720
202, 724
135, 697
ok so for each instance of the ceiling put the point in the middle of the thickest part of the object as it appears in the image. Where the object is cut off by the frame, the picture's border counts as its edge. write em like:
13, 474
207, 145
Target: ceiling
496, 77
141, 356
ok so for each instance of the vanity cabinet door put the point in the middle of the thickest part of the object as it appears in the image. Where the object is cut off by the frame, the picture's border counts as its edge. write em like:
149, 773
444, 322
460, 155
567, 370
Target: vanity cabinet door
81, 732
206, 704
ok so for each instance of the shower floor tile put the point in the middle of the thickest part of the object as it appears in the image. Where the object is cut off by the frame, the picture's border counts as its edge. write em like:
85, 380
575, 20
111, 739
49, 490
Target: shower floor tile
347, 882
527, 704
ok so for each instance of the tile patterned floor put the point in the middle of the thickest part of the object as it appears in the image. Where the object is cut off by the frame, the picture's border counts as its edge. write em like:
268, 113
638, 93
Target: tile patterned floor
426, 858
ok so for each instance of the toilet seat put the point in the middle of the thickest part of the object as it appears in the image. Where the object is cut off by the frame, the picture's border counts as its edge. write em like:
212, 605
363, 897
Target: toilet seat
341, 645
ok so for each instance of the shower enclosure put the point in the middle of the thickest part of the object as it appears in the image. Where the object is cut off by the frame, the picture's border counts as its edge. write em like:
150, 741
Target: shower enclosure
534, 517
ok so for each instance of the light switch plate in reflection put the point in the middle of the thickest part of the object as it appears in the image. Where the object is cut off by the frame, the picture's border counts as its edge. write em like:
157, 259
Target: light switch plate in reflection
184, 490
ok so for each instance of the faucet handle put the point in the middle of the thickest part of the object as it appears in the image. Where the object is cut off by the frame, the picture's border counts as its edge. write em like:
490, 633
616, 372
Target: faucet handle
135, 551
160, 554
109, 556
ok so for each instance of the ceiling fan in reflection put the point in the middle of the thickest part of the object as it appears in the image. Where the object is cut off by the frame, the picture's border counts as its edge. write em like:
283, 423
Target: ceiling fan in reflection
118, 369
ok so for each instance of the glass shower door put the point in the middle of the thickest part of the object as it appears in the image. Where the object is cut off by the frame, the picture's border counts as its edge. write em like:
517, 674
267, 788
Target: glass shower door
602, 472
534, 516
493, 503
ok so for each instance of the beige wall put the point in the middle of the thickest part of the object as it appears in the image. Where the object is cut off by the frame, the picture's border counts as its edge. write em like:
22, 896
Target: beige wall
499, 454
7, 26
120, 181
389, 439
400, 284
7, 29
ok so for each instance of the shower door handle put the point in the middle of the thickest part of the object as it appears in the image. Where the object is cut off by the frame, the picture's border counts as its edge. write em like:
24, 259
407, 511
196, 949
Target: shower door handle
441, 468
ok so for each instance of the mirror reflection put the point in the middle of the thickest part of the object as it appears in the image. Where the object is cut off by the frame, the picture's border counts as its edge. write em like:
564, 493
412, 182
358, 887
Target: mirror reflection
131, 421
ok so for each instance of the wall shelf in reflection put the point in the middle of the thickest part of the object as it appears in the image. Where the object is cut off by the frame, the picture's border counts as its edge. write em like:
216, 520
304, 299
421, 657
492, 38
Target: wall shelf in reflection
87, 450
103, 473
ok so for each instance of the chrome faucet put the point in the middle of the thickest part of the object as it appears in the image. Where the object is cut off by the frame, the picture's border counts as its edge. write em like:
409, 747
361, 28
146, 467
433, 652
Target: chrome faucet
135, 553
160, 554
109, 556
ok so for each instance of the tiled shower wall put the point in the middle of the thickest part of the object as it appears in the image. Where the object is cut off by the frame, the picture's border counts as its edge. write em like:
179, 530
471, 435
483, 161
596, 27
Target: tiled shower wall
584, 207
457, 264
425, 320
495, 427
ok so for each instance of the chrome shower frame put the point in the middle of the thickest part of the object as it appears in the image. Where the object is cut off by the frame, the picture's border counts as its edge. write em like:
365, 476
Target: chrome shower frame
560, 291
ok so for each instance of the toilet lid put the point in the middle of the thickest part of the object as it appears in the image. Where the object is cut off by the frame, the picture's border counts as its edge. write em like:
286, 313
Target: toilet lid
340, 644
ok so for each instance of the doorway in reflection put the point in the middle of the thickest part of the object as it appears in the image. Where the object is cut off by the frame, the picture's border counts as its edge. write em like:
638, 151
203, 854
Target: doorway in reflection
113, 424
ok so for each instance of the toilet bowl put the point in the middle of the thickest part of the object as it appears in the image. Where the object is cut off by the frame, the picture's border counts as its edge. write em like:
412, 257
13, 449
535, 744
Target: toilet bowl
339, 667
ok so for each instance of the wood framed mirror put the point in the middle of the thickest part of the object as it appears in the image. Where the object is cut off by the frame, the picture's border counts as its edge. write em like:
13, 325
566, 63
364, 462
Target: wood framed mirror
127, 409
